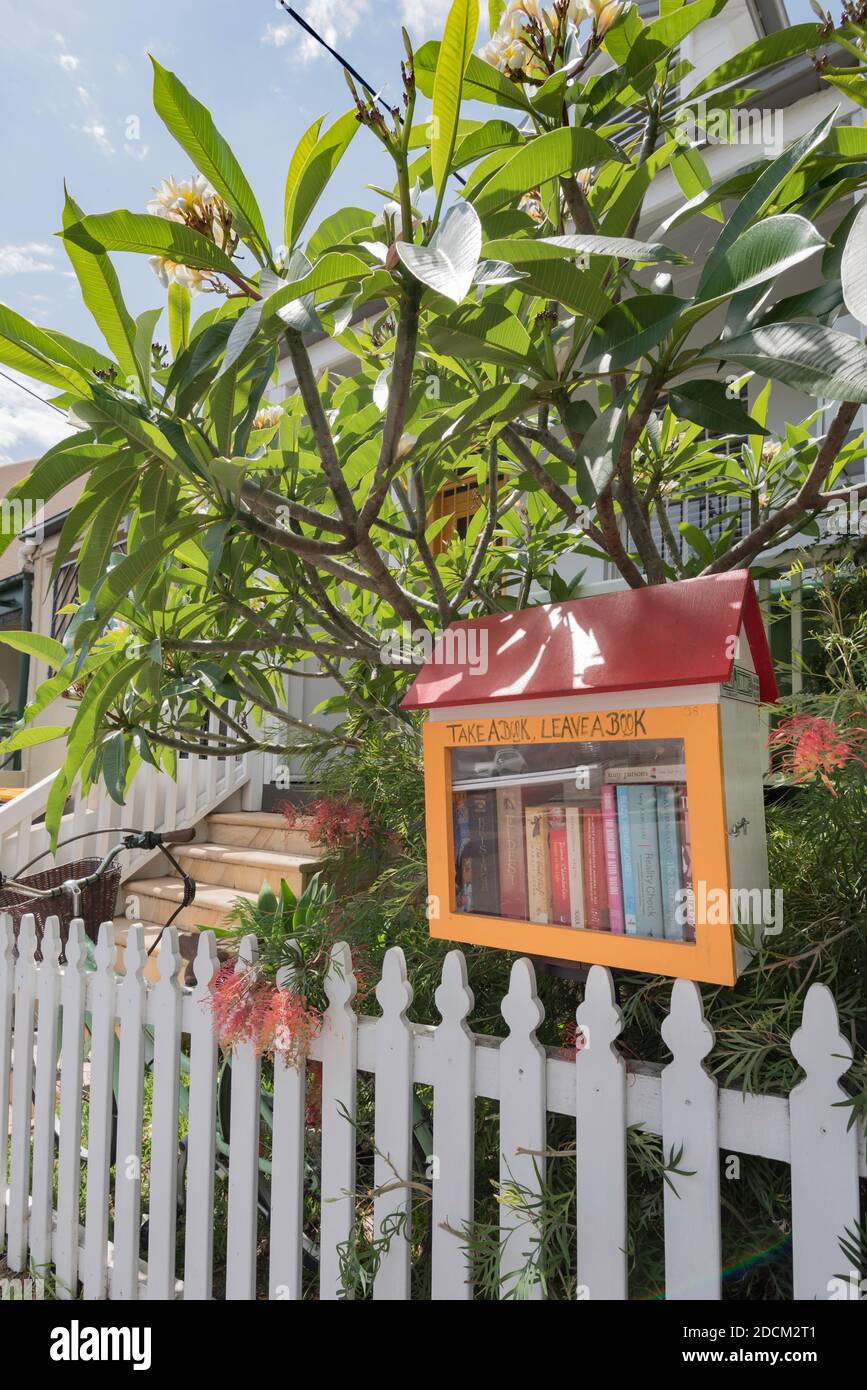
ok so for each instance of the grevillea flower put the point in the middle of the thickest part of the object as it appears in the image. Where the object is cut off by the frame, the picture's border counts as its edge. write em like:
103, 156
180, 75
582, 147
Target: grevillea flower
807, 746
250, 1009
333, 823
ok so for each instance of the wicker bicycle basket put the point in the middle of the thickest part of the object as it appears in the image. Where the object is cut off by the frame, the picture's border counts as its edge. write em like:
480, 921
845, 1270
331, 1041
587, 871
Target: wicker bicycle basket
98, 900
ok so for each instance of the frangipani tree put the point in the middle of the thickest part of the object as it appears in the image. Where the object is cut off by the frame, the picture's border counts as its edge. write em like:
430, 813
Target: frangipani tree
514, 322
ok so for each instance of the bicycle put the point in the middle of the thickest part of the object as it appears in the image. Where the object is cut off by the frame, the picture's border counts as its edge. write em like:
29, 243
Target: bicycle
90, 895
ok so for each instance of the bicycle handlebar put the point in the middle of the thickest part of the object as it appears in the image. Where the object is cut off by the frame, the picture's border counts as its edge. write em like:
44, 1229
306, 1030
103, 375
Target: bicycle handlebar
177, 837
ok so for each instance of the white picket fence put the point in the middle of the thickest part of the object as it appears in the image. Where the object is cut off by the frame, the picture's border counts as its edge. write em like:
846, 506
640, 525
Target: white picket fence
807, 1130
155, 802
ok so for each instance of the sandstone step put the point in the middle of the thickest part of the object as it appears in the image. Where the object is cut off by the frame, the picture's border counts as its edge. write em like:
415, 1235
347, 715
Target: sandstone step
158, 898
260, 830
236, 866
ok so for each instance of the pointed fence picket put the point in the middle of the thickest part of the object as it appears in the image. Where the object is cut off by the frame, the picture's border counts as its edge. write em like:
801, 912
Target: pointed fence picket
131, 1013
451, 1165
690, 1149
243, 1158
51, 1012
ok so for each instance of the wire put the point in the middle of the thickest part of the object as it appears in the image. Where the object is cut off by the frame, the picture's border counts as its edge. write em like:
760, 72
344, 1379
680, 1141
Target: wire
41, 399
353, 72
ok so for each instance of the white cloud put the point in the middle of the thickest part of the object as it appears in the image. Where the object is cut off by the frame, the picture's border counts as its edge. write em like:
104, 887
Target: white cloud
424, 16
32, 257
68, 62
96, 131
27, 427
335, 20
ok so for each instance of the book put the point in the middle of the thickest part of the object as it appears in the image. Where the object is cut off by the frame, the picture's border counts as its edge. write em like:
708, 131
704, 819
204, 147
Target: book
595, 876
686, 859
624, 834
461, 822
645, 860
481, 851
538, 865
670, 863
558, 856
612, 860
575, 854
512, 853
656, 772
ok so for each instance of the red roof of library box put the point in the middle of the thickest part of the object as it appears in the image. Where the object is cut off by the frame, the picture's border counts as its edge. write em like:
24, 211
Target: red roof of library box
634, 639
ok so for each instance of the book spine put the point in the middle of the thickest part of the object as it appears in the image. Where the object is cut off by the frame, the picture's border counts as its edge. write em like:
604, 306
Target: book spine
561, 903
538, 865
624, 833
575, 849
595, 878
463, 880
658, 772
612, 860
645, 861
483, 852
670, 866
686, 859
513, 863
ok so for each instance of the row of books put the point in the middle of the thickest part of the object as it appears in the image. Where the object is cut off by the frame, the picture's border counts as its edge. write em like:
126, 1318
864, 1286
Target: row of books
617, 866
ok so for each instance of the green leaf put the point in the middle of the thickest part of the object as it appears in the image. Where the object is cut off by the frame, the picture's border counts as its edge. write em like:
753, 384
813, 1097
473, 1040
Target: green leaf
448, 264
764, 53
623, 248
558, 152
482, 81
455, 52
114, 766
761, 195
697, 541
35, 644
817, 361
179, 318
853, 267
310, 172
149, 236
100, 290
192, 126
559, 279
32, 737
763, 252
600, 447
632, 329
335, 269
706, 402
37, 353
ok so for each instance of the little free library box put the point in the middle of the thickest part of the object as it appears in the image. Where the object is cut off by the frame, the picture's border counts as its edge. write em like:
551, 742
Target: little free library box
593, 779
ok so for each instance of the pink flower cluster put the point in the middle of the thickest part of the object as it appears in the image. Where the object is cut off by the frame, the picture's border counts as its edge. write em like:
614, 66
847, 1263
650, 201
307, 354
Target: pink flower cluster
807, 746
247, 1008
332, 823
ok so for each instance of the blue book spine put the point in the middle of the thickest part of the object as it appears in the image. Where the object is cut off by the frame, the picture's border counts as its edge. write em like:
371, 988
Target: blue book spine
627, 882
645, 861
670, 863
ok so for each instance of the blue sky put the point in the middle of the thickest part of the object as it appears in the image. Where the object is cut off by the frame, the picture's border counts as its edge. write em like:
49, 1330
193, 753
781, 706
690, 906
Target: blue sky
75, 103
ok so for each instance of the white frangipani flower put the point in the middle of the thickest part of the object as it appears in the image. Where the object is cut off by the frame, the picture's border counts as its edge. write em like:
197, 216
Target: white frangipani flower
268, 418
177, 200
169, 272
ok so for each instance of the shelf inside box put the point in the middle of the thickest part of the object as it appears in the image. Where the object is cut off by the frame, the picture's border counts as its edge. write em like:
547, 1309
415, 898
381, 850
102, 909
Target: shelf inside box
592, 836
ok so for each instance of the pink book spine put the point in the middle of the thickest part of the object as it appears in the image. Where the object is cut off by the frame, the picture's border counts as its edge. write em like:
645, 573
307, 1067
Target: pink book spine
612, 859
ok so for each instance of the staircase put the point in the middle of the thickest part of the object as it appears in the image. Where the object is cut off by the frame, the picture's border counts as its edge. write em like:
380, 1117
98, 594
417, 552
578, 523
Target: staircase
237, 853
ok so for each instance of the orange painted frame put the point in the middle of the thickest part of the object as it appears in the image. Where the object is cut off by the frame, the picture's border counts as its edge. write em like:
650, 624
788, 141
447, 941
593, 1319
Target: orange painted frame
711, 958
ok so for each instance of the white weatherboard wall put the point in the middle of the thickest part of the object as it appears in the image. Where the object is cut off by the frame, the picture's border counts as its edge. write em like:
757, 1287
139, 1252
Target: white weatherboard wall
601, 1089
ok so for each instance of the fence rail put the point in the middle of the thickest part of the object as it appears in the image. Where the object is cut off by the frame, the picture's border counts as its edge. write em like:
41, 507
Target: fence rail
156, 802
132, 1026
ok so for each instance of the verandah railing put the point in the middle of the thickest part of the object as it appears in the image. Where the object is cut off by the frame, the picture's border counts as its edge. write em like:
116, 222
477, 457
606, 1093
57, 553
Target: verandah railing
50, 1185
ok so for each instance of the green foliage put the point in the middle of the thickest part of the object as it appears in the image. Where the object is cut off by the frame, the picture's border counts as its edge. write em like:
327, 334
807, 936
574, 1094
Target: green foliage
526, 335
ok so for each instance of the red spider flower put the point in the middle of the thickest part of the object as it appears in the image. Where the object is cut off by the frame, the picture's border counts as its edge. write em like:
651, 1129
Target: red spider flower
807, 746
249, 1009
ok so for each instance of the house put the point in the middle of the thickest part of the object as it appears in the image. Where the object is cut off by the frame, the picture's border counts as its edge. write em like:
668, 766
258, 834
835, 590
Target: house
789, 102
